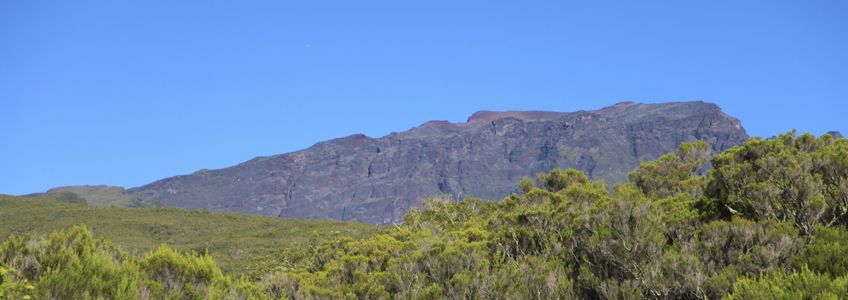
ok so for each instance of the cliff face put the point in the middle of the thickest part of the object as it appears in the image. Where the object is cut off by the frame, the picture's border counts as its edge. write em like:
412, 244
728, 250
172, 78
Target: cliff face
376, 180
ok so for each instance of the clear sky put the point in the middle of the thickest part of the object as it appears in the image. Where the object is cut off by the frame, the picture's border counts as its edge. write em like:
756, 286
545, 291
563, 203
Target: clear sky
127, 92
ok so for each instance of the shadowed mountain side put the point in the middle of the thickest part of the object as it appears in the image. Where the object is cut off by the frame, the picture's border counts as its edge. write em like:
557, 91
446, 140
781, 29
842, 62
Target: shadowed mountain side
377, 180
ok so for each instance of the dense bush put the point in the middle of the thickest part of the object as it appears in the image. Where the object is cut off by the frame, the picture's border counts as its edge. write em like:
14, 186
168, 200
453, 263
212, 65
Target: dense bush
802, 180
73, 264
579, 241
803, 284
673, 173
826, 253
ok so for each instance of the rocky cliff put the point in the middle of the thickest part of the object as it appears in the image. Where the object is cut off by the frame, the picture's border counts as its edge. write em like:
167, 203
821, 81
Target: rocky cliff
376, 180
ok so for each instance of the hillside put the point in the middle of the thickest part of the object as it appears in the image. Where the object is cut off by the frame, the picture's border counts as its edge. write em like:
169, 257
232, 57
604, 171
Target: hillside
377, 180
95, 195
240, 243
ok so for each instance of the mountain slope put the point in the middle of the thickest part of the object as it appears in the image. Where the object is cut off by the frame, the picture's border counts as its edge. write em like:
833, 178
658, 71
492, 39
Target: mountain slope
378, 179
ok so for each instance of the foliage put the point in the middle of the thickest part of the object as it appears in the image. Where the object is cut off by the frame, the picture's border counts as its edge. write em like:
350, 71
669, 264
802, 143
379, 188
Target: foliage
673, 173
803, 284
558, 179
826, 252
802, 180
242, 244
73, 264
578, 241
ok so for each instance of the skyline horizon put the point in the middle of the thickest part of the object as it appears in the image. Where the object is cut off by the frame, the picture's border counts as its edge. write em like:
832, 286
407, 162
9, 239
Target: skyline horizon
460, 122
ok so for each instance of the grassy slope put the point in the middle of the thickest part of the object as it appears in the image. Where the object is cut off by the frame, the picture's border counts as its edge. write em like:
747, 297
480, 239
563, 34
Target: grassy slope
241, 244
99, 195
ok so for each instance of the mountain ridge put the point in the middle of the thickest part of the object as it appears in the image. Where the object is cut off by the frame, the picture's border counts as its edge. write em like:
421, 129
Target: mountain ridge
376, 180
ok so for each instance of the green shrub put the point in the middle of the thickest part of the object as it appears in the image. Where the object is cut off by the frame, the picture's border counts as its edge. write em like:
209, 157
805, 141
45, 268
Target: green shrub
804, 284
800, 179
73, 264
826, 252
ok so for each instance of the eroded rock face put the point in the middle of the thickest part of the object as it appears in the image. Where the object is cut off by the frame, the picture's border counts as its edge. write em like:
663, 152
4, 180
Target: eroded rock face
377, 180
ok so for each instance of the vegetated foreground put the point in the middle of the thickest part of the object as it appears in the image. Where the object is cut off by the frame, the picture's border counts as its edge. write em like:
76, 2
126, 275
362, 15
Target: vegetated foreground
241, 244
767, 221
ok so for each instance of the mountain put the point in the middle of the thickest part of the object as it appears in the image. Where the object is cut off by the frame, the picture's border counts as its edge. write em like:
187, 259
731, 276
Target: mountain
377, 180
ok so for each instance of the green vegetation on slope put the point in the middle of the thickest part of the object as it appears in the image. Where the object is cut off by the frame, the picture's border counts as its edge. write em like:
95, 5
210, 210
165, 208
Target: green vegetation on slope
96, 195
767, 222
74, 265
243, 244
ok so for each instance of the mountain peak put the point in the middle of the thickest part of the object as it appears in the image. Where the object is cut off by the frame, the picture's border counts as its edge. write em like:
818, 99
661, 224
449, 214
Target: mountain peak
378, 179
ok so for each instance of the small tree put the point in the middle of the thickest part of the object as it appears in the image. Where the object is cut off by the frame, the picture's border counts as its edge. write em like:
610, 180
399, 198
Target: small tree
673, 173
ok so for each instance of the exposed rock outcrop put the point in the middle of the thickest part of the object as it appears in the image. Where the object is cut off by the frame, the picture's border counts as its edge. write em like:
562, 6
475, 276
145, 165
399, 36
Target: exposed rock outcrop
378, 179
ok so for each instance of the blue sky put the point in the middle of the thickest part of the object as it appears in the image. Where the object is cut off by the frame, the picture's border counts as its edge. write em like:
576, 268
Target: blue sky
127, 92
